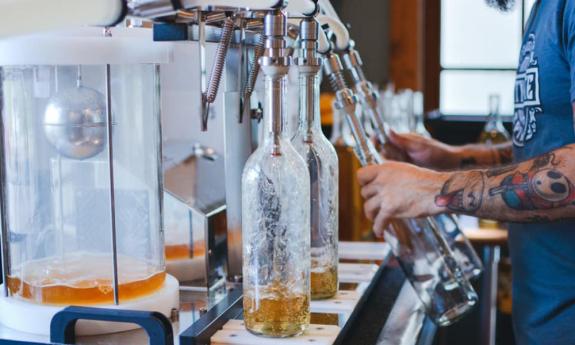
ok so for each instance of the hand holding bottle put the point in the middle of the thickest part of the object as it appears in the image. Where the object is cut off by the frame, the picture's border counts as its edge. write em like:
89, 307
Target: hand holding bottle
422, 151
398, 190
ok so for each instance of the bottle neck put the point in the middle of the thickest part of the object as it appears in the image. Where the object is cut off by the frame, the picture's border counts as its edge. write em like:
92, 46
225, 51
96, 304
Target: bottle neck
275, 86
309, 109
494, 118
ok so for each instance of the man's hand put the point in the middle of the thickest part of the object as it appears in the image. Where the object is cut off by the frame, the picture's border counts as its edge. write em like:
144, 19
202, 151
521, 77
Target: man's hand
422, 151
398, 190
430, 153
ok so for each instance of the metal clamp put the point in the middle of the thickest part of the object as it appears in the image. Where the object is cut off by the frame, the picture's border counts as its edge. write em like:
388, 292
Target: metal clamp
252, 77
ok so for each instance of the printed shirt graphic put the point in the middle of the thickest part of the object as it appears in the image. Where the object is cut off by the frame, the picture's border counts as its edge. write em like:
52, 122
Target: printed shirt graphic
527, 101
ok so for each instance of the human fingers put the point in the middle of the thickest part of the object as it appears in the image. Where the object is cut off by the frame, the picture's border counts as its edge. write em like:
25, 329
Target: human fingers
371, 207
367, 174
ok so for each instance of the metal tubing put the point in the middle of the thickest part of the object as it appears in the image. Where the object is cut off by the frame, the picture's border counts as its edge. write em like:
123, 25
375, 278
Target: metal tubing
112, 186
491, 254
3, 197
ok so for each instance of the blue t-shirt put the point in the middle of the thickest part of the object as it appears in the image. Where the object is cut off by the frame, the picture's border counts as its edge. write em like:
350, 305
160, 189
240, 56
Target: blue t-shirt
543, 255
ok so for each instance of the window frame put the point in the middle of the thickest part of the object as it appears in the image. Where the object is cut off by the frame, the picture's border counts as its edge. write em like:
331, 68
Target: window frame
434, 68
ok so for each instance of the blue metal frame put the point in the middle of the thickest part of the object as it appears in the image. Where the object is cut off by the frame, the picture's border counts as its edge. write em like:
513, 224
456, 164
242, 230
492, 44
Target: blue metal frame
211, 322
156, 325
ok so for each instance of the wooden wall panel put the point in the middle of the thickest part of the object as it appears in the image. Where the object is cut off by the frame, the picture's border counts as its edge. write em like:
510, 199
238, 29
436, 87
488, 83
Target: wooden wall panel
415, 44
406, 31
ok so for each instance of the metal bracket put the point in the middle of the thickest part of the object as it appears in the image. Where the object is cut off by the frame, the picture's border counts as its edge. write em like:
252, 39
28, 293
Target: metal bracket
214, 319
158, 327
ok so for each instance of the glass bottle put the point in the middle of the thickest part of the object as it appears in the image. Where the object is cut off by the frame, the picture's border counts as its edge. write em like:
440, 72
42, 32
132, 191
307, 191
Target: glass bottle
493, 133
424, 255
419, 247
275, 211
322, 164
419, 114
448, 224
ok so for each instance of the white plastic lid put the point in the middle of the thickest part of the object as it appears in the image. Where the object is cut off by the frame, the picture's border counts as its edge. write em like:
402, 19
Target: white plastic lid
86, 46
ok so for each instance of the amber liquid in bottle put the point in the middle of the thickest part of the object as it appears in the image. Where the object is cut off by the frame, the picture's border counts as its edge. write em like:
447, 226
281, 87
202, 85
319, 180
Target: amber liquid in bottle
83, 280
324, 282
282, 314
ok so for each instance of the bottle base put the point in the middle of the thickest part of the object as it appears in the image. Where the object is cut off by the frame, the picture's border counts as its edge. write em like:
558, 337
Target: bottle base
454, 314
323, 295
277, 330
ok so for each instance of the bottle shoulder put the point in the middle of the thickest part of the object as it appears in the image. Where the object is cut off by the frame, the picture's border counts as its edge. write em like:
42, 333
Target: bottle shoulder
262, 159
320, 145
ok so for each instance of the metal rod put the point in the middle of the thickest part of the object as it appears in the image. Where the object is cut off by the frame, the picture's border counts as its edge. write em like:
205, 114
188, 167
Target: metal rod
112, 186
3, 194
160, 170
243, 70
491, 255
202, 59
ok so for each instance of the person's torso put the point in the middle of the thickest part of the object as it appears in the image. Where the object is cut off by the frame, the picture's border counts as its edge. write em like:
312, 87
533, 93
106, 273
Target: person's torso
543, 255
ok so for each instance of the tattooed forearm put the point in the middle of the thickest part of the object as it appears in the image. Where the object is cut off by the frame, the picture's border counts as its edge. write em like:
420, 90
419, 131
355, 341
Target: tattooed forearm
538, 219
476, 156
467, 162
500, 170
539, 190
541, 187
504, 154
462, 192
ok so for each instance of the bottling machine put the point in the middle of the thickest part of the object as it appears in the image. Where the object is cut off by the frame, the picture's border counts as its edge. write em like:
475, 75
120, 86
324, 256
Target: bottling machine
112, 221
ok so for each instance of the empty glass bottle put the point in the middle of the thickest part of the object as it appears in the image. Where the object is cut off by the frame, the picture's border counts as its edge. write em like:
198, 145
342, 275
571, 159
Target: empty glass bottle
419, 247
275, 211
322, 164
463, 251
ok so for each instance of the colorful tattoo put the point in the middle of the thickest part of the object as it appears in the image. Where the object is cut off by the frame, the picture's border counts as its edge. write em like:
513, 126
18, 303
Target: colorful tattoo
542, 187
536, 190
500, 170
462, 192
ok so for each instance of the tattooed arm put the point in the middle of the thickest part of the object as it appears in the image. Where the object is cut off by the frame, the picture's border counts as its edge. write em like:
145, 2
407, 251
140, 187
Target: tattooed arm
427, 152
537, 190
478, 155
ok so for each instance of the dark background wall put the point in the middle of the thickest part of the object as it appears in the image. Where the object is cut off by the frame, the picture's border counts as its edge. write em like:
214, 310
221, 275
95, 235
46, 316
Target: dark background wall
369, 27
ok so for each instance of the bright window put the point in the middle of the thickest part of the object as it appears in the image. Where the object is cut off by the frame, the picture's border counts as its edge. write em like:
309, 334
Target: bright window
479, 54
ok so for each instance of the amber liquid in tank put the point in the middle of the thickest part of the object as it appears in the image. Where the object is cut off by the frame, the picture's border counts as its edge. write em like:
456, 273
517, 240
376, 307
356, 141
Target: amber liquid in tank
183, 251
83, 280
276, 313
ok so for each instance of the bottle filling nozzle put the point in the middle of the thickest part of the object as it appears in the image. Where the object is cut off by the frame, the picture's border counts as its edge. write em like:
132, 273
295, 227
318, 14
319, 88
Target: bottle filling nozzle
368, 96
309, 65
275, 64
347, 101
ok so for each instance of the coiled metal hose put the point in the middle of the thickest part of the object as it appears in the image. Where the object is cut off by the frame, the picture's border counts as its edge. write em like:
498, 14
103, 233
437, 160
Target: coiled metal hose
217, 69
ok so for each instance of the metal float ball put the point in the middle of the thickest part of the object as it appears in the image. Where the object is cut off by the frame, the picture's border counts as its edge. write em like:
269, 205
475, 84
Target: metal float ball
75, 122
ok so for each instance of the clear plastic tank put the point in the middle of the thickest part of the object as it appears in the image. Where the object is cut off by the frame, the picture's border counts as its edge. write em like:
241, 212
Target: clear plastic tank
82, 211
58, 186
